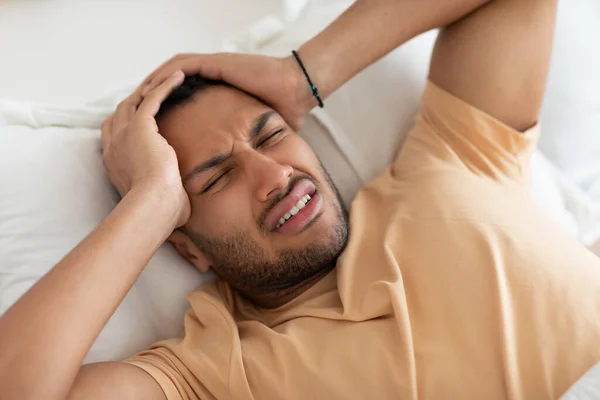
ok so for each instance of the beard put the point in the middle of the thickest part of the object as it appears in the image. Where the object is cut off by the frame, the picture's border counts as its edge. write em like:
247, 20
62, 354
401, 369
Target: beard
246, 266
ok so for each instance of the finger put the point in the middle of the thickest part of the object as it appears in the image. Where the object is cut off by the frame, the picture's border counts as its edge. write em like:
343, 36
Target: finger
169, 64
125, 111
151, 103
206, 65
105, 131
169, 61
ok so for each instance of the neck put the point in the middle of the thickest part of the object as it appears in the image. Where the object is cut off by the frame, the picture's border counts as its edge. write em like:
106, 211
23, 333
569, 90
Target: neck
278, 298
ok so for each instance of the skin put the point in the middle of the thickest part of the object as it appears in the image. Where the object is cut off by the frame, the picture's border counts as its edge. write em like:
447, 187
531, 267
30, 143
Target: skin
226, 230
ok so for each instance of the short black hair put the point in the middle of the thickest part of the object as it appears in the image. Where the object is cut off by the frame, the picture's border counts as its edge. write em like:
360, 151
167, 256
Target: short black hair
182, 94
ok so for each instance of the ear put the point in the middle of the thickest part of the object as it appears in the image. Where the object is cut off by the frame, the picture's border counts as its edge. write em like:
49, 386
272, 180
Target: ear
188, 250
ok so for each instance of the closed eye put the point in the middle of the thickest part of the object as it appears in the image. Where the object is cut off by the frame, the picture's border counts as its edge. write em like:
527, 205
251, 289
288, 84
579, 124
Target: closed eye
270, 137
214, 182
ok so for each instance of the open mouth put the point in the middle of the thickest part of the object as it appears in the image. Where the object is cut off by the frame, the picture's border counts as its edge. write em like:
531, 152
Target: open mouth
305, 216
294, 210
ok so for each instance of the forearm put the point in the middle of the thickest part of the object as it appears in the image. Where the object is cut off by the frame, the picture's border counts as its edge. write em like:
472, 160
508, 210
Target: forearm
369, 30
45, 336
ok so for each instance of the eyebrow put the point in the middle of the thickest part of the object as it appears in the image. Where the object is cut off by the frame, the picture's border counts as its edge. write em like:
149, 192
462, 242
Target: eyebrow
257, 127
260, 123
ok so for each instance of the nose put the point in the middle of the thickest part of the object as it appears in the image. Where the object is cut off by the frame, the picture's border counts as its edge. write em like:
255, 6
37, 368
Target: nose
268, 175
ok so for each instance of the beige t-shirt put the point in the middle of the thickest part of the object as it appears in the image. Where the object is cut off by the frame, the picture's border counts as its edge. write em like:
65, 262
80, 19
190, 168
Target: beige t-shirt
454, 285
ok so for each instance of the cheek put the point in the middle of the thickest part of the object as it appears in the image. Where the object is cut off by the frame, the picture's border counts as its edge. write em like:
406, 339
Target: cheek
220, 215
297, 153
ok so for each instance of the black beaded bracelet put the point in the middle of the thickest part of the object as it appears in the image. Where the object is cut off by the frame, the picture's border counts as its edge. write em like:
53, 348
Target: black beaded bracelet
315, 92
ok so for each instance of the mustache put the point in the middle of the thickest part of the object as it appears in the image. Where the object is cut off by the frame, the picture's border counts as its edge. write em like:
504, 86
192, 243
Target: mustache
280, 196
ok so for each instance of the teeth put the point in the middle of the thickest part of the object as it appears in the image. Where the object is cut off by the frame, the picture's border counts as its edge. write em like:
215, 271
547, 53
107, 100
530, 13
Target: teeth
299, 206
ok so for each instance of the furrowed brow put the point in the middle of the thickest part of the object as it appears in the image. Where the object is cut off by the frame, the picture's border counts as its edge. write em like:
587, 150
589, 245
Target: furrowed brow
206, 165
218, 159
260, 123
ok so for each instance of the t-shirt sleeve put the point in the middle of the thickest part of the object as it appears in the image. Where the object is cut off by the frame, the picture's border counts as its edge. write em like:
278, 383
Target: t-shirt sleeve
451, 134
167, 370
196, 365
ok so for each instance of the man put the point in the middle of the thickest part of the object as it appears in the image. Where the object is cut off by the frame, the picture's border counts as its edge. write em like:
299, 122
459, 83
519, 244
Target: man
451, 285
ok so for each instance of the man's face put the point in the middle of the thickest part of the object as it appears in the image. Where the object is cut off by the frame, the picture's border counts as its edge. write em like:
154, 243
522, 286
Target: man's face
246, 172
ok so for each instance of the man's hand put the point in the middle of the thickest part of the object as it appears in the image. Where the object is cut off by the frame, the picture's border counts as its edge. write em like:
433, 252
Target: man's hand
135, 154
279, 82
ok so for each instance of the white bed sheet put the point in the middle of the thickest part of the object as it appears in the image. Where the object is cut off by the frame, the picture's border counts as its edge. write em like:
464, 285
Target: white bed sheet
71, 51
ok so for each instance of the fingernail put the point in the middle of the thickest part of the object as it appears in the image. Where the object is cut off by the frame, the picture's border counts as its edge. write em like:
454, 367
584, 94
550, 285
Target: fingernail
145, 89
177, 73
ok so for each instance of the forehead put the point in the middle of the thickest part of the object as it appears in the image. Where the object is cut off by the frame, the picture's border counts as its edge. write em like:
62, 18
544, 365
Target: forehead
209, 122
213, 110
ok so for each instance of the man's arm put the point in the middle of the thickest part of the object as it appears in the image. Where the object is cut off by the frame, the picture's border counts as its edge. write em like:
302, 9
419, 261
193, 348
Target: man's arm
46, 334
114, 380
369, 30
364, 33
491, 54
497, 58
